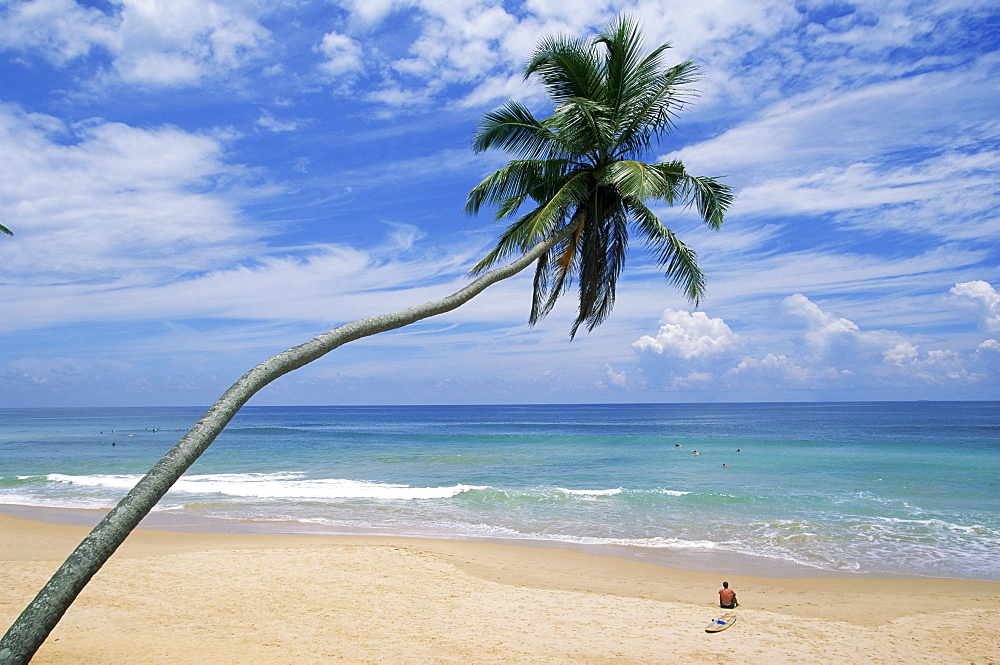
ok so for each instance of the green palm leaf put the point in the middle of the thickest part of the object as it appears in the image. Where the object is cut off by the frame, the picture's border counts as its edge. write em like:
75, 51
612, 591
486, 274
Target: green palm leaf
567, 68
582, 167
514, 129
545, 220
679, 260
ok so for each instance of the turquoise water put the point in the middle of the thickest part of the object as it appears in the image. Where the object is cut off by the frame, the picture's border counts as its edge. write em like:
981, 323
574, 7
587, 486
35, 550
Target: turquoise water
873, 488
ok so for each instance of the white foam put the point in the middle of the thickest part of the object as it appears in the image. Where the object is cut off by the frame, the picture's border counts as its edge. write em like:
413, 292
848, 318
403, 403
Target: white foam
284, 485
658, 542
100, 480
610, 492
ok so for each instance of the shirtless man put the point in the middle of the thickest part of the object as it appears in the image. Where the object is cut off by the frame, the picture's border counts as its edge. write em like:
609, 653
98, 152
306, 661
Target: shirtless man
727, 597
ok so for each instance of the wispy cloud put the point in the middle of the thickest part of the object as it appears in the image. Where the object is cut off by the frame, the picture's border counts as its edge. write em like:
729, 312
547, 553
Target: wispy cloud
155, 44
193, 185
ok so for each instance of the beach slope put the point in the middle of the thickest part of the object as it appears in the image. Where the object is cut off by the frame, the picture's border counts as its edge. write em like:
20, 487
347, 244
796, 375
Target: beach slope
231, 598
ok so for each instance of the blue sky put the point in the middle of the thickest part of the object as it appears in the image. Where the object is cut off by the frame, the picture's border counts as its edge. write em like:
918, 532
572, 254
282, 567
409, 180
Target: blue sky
196, 185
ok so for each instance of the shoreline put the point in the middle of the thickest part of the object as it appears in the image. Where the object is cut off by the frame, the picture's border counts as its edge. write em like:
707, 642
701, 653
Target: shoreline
693, 560
195, 597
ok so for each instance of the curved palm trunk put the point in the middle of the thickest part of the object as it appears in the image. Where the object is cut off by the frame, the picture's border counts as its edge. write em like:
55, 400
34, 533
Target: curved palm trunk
43, 613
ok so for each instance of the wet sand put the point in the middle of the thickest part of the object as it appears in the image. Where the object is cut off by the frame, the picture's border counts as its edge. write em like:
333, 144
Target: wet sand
182, 597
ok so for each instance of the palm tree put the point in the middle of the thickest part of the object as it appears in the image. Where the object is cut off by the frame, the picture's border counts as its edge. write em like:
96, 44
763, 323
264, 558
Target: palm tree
579, 166
5, 230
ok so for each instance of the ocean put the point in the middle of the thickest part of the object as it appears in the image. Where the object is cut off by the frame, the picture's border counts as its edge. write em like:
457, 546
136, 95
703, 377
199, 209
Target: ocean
884, 488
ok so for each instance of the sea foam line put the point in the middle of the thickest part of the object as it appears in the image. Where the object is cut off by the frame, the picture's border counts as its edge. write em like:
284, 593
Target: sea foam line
288, 485
609, 492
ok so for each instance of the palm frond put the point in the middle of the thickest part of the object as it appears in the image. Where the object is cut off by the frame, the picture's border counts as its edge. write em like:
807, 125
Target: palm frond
583, 167
602, 258
538, 224
5, 230
518, 180
622, 40
554, 275
567, 67
711, 198
640, 181
584, 126
513, 128
651, 113
679, 261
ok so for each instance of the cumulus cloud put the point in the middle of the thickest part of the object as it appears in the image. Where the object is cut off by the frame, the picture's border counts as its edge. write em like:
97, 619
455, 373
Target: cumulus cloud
933, 366
902, 354
824, 329
782, 368
342, 55
688, 335
613, 378
987, 297
820, 350
687, 351
471, 51
837, 347
989, 346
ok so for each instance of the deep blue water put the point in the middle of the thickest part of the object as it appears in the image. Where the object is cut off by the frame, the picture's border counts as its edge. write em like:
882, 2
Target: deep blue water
880, 488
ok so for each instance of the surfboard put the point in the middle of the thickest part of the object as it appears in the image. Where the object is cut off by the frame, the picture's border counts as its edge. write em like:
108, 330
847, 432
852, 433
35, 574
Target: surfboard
723, 622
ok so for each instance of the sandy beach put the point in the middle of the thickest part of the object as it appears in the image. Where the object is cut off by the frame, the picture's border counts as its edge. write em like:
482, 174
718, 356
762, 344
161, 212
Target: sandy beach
231, 598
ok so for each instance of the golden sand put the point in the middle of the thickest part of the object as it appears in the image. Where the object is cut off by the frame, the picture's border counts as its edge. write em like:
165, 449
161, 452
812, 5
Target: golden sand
171, 597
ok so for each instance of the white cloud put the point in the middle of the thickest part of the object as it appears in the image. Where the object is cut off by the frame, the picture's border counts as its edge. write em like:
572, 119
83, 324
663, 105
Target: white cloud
696, 379
371, 12
831, 125
782, 368
929, 170
933, 366
270, 123
105, 202
824, 328
196, 37
749, 51
989, 346
986, 296
343, 55
149, 43
60, 30
614, 378
900, 355
801, 347
688, 335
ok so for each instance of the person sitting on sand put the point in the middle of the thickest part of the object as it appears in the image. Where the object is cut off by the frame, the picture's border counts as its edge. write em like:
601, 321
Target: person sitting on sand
727, 597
